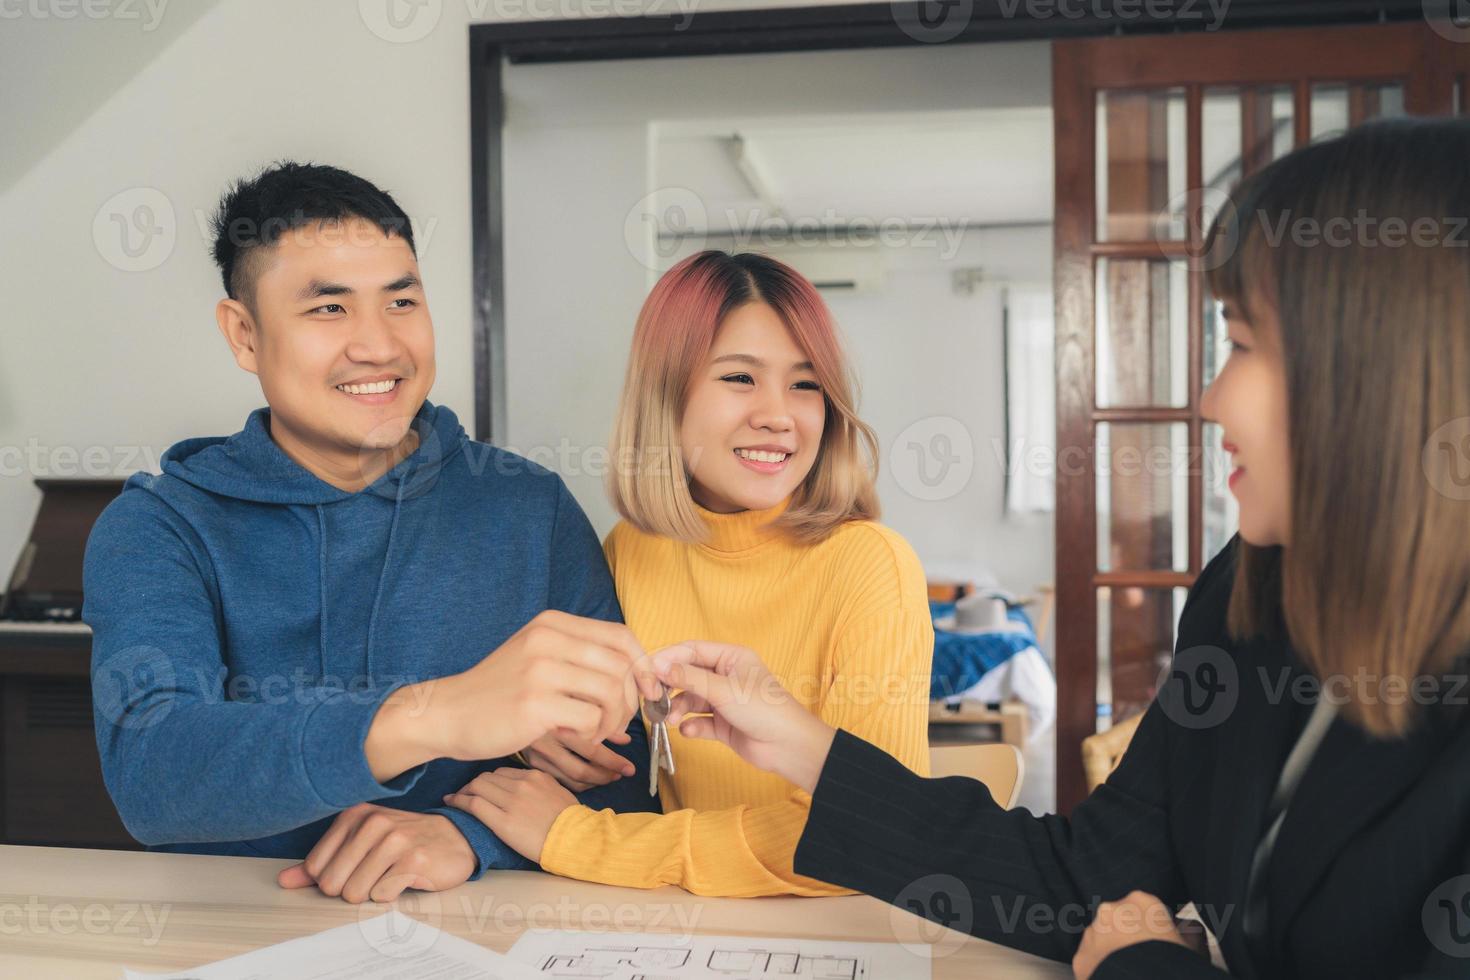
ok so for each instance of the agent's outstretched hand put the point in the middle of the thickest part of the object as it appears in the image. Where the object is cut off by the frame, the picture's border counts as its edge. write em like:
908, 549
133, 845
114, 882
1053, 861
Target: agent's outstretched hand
729, 696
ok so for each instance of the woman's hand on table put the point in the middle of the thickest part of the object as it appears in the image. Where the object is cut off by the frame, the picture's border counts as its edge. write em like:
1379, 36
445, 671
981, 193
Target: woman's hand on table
375, 852
729, 696
518, 805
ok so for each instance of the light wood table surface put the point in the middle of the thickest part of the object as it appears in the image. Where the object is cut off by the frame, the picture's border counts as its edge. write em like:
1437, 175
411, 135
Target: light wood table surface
77, 914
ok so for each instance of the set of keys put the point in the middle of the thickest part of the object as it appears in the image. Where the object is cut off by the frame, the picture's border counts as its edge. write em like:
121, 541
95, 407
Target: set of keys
660, 753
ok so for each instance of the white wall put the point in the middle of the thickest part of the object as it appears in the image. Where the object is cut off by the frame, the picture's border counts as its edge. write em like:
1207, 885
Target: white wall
112, 366
932, 364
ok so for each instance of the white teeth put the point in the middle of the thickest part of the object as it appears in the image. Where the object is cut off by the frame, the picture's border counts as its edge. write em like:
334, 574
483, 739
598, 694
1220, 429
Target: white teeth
761, 456
375, 388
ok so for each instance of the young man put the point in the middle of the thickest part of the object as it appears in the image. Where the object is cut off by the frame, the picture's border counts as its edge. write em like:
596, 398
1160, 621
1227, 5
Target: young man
308, 633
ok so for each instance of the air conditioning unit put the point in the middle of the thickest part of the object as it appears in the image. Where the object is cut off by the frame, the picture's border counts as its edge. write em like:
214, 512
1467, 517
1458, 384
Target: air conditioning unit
848, 268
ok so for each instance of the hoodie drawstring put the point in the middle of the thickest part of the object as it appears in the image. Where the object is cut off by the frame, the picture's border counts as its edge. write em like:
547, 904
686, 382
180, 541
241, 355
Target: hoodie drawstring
383, 573
321, 550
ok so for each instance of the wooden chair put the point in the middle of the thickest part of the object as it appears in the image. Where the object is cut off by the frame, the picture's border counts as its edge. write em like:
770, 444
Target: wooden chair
996, 764
1102, 752
966, 722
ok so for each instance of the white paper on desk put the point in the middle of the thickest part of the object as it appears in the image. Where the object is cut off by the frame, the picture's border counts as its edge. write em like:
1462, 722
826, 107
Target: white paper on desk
391, 946
644, 956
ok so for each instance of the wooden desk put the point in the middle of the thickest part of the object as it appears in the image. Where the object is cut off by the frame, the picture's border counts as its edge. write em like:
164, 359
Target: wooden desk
81, 914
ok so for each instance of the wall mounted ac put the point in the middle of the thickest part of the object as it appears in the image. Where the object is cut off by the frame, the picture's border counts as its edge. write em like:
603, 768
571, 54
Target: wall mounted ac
849, 268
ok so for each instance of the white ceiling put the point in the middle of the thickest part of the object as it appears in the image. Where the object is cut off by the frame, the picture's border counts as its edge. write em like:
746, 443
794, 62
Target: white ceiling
982, 167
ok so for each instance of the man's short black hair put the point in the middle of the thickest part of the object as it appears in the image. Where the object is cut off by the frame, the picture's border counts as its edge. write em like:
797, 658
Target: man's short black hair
255, 213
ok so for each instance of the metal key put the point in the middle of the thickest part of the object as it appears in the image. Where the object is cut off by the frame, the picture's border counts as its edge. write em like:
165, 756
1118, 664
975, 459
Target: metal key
660, 753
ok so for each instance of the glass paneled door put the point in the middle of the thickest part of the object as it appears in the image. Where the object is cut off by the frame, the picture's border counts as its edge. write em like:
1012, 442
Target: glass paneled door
1151, 134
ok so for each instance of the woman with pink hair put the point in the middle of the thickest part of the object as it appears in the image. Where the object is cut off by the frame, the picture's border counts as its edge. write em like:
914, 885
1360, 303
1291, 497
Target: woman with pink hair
746, 484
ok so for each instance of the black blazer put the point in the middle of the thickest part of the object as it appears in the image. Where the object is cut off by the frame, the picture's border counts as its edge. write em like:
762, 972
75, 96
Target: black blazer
1365, 879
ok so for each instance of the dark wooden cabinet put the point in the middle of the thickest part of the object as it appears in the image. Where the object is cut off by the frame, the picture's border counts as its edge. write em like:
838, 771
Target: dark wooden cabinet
51, 789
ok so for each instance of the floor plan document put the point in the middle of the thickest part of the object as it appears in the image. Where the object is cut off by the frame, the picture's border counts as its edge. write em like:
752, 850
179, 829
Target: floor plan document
621, 956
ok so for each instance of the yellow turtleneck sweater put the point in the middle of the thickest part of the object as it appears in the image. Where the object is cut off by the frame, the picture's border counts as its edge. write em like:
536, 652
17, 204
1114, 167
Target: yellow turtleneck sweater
844, 624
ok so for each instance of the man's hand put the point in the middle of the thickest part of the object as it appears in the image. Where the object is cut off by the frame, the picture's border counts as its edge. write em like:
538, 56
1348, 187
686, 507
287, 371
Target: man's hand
558, 673
578, 763
1138, 918
518, 805
374, 852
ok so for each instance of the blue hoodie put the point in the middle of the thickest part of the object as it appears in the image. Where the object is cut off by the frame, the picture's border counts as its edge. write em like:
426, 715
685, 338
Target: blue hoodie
249, 619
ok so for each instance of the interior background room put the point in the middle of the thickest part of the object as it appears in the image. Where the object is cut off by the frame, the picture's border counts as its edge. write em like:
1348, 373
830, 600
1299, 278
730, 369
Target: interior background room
215, 90
915, 183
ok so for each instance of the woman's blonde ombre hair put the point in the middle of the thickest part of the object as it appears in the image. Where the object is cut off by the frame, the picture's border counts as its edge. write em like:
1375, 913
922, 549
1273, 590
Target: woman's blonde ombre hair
1375, 338
648, 481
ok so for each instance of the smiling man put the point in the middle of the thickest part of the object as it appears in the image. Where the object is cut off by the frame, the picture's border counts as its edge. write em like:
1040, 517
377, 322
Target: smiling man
307, 633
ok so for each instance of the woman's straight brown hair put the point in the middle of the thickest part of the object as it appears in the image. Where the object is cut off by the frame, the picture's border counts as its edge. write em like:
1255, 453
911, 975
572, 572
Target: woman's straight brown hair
1359, 246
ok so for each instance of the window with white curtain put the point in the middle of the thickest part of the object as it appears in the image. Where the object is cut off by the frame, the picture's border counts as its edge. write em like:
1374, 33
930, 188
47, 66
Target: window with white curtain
1030, 400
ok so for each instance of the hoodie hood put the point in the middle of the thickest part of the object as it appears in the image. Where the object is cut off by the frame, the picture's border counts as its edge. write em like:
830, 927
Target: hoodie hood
250, 466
